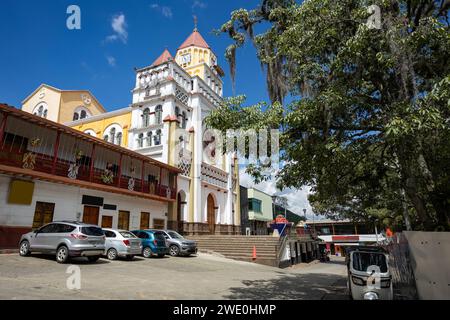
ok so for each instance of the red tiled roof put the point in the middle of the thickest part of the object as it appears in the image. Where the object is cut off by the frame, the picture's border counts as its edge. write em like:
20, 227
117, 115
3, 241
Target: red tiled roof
195, 39
164, 57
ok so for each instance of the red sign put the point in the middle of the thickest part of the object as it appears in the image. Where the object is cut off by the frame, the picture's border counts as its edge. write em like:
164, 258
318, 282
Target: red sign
345, 238
281, 219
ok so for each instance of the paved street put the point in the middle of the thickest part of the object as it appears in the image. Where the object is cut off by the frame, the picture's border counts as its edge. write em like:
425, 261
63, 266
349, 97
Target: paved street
202, 277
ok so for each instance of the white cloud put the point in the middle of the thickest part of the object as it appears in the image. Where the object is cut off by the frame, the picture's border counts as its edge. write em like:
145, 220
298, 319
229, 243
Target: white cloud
111, 61
297, 198
164, 10
119, 26
198, 4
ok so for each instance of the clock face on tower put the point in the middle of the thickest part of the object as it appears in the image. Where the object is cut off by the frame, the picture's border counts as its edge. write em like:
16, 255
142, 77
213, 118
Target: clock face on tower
185, 58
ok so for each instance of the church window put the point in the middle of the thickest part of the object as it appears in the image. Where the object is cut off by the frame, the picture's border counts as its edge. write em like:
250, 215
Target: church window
141, 140
119, 139
112, 132
157, 138
146, 118
41, 110
76, 116
158, 114
149, 139
183, 120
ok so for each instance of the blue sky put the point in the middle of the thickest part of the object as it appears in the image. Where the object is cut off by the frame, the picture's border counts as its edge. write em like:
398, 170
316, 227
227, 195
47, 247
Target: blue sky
38, 48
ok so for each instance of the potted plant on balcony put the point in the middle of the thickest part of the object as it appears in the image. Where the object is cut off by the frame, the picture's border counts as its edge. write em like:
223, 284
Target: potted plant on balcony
131, 181
74, 167
29, 158
108, 175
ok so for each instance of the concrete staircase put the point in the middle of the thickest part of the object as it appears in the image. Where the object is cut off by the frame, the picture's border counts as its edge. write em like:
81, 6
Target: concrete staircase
241, 247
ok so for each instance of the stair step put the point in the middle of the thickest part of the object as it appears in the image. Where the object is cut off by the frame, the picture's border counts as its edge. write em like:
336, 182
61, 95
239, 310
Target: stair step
241, 256
241, 242
272, 252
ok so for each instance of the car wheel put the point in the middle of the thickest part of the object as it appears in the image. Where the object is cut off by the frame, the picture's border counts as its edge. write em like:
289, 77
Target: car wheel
93, 259
24, 248
174, 250
147, 252
62, 254
112, 254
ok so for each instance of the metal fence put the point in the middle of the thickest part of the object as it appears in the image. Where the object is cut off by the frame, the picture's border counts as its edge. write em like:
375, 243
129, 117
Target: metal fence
400, 264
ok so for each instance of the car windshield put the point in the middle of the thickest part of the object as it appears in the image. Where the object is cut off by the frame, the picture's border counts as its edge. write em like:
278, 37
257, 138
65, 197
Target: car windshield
92, 231
160, 236
363, 260
127, 235
175, 235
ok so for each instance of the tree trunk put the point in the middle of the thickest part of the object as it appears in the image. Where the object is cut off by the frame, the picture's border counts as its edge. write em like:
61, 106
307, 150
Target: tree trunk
442, 207
405, 212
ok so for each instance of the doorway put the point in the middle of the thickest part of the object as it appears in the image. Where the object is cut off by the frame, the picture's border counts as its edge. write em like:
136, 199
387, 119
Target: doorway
145, 220
124, 220
43, 214
91, 215
211, 214
107, 221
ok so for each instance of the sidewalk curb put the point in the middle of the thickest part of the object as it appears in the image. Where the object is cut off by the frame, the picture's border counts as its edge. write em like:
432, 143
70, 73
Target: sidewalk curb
9, 251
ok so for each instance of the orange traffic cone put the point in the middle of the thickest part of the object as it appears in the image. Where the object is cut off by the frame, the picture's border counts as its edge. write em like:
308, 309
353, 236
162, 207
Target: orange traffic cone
254, 253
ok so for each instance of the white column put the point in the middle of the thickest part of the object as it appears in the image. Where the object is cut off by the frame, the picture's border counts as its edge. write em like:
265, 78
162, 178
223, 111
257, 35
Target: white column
198, 158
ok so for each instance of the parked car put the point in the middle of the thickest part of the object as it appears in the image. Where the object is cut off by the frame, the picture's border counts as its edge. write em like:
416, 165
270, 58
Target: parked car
121, 243
178, 245
65, 239
152, 243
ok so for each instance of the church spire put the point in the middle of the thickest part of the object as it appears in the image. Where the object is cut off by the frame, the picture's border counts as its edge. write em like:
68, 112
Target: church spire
195, 24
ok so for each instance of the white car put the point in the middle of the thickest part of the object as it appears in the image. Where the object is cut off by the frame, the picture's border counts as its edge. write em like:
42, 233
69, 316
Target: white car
121, 243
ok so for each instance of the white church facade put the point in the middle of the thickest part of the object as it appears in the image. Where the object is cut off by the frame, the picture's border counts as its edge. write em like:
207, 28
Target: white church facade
165, 122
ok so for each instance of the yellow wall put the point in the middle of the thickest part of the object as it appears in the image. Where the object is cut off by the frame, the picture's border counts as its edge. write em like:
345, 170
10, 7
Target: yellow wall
48, 95
71, 100
99, 126
199, 56
61, 105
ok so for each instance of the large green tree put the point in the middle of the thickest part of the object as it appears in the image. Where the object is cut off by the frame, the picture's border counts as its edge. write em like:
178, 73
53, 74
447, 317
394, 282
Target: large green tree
368, 122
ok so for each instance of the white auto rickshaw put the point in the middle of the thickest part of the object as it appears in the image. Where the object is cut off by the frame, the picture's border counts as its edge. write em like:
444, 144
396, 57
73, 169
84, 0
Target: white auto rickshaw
369, 277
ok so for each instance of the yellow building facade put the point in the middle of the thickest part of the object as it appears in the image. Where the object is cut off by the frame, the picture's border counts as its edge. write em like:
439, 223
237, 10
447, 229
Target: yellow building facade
112, 126
62, 106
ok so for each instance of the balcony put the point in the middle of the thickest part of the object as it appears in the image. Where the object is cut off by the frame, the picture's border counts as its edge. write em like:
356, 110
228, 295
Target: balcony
41, 149
214, 176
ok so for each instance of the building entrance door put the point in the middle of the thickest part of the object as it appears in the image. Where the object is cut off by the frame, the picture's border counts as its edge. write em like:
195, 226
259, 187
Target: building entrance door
43, 214
145, 220
124, 220
211, 207
91, 215
107, 221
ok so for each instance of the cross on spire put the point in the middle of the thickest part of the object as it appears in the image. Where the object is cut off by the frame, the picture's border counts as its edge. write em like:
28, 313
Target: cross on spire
195, 23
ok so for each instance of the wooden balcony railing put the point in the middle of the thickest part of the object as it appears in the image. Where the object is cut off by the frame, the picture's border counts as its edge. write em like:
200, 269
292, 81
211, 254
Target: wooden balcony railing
13, 156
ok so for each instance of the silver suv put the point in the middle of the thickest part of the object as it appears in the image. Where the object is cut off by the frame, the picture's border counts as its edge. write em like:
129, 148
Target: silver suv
178, 245
65, 239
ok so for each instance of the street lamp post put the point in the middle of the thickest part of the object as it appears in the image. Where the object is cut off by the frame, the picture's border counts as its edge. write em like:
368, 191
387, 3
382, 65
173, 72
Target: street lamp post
376, 231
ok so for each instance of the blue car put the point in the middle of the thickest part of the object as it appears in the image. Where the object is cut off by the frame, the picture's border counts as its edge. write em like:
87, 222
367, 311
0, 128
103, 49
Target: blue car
153, 243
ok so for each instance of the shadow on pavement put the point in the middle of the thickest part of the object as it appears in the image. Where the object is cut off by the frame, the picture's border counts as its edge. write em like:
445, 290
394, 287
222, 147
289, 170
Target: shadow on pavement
338, 262
77, 260
293, 287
